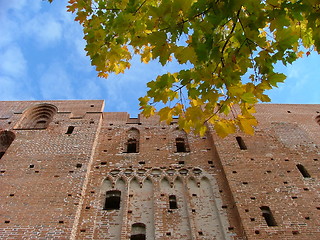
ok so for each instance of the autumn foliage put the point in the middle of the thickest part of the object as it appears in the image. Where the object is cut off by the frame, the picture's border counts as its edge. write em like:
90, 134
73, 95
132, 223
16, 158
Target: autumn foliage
230, 47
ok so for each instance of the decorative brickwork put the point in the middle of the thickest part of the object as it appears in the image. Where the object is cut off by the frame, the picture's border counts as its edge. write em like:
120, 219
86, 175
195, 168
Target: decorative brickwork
70, 171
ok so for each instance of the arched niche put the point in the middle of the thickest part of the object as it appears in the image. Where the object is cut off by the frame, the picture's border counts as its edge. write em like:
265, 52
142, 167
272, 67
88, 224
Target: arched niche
180, 140
132, 141
37, 117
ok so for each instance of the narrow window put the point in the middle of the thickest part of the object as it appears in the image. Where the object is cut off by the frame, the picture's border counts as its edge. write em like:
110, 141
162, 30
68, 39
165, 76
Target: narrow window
138, 231
268, 217
303, 171
132, 145
173, 202
241, 143
112, 200
180, 144
70, 130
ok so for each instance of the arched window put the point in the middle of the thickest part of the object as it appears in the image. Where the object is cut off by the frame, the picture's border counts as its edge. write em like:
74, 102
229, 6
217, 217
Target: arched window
138, 231
113, 199
181, 141
6, 138
37, 117
268, 217
173, 202
132, 144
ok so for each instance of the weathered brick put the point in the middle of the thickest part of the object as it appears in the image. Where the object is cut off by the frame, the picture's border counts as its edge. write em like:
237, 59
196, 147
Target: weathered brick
72, 171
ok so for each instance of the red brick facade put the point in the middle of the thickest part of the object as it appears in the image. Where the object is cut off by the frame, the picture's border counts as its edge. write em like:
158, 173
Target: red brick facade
70, 171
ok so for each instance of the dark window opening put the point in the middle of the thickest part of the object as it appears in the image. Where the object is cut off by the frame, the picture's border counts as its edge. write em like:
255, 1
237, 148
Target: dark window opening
241, 143
173, 202
132, 146
268, 217
70, 130
180, 144
303, 171
138, 231
112, 200
138, 237
6, 138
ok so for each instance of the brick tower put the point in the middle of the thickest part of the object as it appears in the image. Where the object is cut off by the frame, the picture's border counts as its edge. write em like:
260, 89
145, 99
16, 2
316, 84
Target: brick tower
70, 171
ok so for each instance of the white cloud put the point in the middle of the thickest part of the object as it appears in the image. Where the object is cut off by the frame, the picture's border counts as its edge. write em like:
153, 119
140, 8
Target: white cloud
12, 62
89, 89
7, 89
55, 83
44, 29
11, 5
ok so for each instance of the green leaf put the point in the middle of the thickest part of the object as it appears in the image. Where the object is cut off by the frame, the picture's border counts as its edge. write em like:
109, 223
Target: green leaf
276, 78
249, 97
215, 43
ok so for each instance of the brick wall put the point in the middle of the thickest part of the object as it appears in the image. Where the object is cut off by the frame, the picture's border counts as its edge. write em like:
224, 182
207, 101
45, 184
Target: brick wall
116, 177
42, 172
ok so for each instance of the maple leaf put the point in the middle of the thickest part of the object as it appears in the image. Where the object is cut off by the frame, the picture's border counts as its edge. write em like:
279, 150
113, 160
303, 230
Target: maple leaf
223, 41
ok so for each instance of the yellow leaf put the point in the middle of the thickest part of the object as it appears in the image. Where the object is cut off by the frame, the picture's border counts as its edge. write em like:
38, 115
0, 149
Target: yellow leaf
148, 110
202, 130
246, 125
165, 114
300, 54
103, 75
224, 128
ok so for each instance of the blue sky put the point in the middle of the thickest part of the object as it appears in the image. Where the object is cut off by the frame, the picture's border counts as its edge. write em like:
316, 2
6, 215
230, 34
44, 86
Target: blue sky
42, 58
